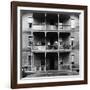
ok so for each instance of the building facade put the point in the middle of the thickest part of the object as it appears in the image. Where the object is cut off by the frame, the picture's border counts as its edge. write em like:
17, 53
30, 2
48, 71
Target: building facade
50, 41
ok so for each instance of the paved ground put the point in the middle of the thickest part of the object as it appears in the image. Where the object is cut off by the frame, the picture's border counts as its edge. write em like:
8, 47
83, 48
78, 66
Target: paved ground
51, 73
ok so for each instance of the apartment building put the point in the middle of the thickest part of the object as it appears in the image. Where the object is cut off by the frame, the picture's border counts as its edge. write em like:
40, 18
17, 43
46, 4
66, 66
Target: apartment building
49, 42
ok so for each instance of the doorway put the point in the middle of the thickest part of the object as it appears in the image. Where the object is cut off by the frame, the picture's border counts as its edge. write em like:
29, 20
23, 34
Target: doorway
52, 61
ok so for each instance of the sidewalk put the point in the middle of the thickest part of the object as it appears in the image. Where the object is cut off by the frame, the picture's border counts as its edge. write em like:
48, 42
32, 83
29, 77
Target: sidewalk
51, 73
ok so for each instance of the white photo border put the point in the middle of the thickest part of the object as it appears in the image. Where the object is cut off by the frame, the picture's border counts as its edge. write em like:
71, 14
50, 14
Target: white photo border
52, 78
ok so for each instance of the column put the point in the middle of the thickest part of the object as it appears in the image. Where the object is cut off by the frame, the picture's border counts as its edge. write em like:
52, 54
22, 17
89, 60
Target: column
58, 43
45, 41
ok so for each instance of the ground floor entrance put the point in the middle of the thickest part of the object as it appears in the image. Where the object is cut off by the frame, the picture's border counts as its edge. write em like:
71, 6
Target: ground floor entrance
51, 61
46, 62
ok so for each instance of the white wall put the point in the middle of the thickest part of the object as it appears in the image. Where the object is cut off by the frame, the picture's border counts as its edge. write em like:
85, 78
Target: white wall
5, 44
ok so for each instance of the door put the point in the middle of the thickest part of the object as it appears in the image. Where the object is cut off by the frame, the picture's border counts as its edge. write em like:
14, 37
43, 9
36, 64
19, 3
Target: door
52, 61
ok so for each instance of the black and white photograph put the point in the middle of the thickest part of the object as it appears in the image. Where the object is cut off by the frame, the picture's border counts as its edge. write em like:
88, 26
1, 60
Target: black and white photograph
49, 43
